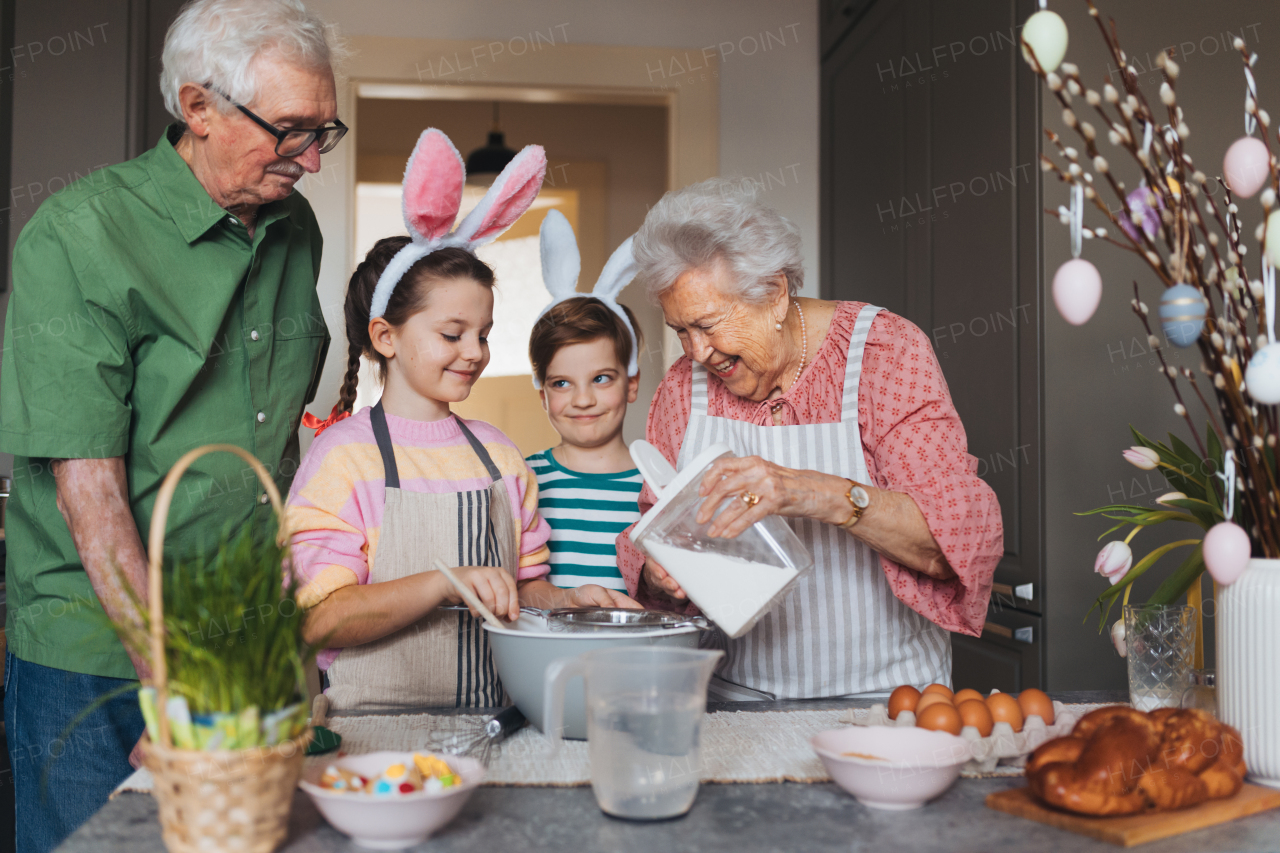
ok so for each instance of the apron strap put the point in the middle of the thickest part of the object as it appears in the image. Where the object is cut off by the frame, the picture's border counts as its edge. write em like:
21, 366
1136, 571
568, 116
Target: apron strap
381, 434
698, 390
853, 364
494, 473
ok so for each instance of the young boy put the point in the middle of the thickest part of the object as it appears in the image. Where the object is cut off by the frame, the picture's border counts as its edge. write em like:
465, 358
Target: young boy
588, 487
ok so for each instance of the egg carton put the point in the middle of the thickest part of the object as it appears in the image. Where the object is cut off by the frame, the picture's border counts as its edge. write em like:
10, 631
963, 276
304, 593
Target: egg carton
1003, 747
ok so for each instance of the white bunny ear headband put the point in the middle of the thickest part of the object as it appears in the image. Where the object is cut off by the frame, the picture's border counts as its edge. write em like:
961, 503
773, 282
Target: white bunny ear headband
561, 266
433, 181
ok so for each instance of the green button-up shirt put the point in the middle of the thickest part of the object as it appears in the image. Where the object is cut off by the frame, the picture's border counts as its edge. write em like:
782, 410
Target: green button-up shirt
145, 322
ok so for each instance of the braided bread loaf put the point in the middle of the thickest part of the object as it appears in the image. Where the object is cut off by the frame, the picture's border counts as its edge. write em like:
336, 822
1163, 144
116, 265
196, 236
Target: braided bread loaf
1121, 761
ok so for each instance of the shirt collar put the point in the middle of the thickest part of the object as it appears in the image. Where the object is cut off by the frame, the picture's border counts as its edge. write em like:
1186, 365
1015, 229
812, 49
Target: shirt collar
191, 207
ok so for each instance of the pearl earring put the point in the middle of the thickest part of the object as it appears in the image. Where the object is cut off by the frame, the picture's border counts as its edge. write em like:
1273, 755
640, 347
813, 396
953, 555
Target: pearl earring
777, 326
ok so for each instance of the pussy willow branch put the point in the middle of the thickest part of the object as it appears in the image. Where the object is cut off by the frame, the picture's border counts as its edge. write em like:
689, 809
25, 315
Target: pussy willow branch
1138, 306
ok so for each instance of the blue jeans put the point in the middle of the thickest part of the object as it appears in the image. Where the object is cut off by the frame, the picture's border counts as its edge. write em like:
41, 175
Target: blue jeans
60, 778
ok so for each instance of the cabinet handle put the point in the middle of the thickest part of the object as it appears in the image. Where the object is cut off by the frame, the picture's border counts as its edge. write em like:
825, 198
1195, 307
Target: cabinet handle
1002, 589
998, 630
1025, 635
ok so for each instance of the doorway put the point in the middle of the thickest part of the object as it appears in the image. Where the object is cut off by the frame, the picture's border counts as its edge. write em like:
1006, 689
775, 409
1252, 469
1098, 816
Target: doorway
607, 164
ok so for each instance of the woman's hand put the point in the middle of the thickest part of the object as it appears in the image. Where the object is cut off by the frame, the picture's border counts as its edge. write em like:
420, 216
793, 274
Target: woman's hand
781, 491
494, 586
594, 595
658, 579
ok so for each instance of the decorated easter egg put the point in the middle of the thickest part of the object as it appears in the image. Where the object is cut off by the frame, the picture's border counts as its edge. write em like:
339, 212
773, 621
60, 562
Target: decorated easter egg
1046, 33
1273, 238
1182, 314
1077, 290
1226, 552
1262, 378
1246, 166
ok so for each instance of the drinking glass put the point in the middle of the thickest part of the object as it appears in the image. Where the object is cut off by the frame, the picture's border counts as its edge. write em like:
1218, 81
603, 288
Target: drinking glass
1161, 641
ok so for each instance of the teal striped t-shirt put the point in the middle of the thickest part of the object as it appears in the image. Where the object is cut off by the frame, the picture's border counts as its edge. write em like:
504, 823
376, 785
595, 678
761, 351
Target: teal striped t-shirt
586, 513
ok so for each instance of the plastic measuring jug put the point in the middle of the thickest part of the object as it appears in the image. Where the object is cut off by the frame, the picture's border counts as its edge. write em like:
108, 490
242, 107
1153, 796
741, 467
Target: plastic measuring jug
645, 706
733, 582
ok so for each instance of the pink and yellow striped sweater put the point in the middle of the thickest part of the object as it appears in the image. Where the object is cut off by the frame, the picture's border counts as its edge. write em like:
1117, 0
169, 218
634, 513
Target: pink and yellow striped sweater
335, 505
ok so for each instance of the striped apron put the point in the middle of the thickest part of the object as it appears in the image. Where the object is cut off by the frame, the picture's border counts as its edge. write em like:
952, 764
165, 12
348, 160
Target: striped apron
841, 630
443, 659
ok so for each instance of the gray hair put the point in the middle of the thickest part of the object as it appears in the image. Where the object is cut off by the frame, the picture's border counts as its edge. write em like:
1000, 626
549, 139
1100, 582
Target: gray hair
219, 41
719, 219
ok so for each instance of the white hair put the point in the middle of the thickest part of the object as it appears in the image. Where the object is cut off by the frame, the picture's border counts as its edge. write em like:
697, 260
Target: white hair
220, 41
721, 219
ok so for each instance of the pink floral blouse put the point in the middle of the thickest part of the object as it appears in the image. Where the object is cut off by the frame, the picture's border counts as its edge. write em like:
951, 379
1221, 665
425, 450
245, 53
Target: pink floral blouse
913, 441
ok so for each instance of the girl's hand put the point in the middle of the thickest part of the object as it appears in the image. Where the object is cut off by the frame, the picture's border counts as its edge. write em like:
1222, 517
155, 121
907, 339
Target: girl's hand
494, 586
781, 491
658, 579
594, 595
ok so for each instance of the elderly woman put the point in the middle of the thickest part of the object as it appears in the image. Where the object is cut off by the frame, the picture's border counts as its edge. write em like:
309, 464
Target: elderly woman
840, 419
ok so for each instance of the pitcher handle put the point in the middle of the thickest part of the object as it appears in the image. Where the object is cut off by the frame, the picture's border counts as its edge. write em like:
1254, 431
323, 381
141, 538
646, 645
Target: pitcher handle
556, 678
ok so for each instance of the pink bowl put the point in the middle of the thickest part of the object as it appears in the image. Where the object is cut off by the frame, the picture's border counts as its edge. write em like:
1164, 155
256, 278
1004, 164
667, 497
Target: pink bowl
895, 767
396, 822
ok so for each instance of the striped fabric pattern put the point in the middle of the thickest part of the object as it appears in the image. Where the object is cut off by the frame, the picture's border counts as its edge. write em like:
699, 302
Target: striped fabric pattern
586, 513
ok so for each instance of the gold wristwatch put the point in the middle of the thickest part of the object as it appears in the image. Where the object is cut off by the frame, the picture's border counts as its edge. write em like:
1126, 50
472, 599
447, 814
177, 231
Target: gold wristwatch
859, 500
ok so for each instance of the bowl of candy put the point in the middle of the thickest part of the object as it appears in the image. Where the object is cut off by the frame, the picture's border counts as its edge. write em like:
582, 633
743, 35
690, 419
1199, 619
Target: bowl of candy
391, 800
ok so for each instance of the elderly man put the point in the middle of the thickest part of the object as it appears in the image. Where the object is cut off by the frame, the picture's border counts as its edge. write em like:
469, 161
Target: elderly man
160, 304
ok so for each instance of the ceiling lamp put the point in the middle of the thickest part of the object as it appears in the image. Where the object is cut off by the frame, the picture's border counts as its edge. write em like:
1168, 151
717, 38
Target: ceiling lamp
484, 164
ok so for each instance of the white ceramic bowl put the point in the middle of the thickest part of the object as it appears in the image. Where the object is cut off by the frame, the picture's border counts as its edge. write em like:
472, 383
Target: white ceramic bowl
523, 651
390, 823
910, 765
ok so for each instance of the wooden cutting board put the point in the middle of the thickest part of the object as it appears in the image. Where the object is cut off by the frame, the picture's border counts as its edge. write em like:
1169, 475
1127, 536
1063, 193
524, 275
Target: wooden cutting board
1131, 830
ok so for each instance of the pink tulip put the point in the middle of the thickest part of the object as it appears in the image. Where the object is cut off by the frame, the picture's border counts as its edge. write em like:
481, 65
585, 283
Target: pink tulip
1143, 457
1113, 561
1164, 499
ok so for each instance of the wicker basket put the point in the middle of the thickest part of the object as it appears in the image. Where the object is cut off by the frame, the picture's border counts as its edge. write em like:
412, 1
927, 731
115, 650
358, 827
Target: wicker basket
227, 800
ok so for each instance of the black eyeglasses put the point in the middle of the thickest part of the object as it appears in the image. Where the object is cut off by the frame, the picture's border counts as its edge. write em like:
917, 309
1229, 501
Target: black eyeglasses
294, 140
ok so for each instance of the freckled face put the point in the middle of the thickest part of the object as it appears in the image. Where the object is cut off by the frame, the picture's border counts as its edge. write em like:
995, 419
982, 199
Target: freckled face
443, 349
734, 339
586, 393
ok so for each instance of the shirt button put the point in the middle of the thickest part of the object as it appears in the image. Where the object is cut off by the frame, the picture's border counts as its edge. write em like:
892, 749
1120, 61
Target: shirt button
262, 417
253, 336
264, 498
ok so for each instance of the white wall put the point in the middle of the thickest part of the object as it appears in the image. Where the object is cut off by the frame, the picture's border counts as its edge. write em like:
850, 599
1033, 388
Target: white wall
768, 99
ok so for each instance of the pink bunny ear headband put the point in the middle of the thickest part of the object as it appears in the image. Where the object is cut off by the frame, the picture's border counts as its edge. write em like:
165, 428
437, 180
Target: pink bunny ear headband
562, 264
433, 181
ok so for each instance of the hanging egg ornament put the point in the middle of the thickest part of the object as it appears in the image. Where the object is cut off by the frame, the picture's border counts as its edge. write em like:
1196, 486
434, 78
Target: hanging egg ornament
1182, 313
1077, 290
1226, 552
1046, 33
1262, 378
1273, 238
1246, 166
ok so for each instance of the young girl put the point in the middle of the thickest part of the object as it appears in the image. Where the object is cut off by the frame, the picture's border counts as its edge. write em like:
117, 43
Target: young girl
584, 352
384, 493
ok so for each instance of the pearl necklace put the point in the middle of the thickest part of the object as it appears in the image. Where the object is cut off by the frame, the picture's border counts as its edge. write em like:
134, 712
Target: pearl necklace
804, 349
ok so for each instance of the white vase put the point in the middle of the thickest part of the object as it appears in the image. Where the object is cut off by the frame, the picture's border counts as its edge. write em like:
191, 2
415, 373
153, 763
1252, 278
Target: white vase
1248, 631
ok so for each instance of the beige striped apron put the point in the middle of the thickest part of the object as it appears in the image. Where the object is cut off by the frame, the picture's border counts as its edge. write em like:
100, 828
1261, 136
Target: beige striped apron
841, 630
443, 659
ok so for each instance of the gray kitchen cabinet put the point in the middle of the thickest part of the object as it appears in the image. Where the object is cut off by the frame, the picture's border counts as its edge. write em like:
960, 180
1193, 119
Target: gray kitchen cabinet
931, 208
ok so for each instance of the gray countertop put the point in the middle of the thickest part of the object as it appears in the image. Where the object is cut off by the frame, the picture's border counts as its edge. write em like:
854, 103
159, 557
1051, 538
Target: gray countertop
730, 818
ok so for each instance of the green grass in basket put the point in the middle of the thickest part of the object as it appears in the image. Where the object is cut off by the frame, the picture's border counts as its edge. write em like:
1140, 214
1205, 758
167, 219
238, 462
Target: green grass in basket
233, 628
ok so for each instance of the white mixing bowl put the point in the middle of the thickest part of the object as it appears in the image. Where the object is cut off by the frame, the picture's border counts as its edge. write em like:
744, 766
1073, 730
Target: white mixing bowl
523, 652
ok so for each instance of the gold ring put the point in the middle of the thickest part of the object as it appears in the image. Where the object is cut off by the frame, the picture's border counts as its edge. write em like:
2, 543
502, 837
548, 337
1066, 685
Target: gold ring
750, 499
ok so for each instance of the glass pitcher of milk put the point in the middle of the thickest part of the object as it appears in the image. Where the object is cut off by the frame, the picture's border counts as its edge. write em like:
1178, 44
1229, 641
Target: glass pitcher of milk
733, 582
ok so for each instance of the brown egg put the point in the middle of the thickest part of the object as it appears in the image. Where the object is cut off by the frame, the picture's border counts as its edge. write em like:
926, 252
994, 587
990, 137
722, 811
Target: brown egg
903, 698
939, 688
974, 712
940, 717
1005, 709
928, 699
965, 695
1036, 703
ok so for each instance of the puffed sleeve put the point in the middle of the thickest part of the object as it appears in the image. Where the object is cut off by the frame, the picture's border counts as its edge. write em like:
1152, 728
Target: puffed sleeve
915, 444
